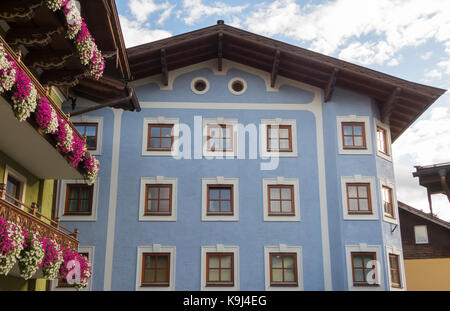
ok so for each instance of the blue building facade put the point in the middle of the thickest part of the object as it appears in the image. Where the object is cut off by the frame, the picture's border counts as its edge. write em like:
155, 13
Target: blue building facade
287, 206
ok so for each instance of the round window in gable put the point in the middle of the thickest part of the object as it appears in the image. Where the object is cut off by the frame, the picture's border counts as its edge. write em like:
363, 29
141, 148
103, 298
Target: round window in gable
199, 86
237, 86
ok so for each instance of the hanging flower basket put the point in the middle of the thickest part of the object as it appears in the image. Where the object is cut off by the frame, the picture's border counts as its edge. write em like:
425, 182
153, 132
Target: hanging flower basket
11, 244
31, 256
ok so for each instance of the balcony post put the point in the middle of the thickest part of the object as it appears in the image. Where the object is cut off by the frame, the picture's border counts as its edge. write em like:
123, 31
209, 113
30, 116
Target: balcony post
2, 191
34, 208
75, 233
57, 222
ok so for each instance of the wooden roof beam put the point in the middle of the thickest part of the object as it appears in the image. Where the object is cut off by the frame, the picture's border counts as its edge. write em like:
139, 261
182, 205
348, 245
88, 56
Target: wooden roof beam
389, 106
164, 71
219, 51
328, 92
274, 73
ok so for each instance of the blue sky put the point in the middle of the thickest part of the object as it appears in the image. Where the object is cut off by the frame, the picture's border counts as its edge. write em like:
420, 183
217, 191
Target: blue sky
409, 39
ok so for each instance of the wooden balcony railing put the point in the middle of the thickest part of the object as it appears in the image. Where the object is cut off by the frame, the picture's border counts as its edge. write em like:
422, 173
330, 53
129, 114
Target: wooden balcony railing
31, 219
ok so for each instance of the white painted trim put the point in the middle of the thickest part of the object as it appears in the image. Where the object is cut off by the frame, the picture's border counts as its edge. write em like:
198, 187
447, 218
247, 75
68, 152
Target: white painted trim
386, 217
396, 251
193, 85
109, 253
244, 86
281, 181
263, 138
426, 233
161, 120
373, 195
217, 121
81, 249
354, 118
158, 180
92, 119
220, 181
155, 248
62, 201
220, 248
385, 127
21, 178
378, 267
282, 248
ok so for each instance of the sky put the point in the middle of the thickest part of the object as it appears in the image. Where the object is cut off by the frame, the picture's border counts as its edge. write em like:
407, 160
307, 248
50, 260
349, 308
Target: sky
409, 39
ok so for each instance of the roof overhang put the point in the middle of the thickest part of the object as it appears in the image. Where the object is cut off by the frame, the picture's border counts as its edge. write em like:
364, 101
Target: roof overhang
401, 102
436, 177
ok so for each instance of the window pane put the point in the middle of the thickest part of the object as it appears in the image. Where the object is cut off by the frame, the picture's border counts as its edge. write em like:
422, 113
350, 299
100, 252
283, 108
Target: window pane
74, 191
164, 193
367, 261
164, 205
284, 133
421, 234
359, 141
275, 206
289, 262
153, 205
226, 132
227, 143
161, 275
364, 205
225, 262
284, 144
91, 130
353, 204
273, 133
274, 193
225, 206
394, 276
85, 192
352, 192
84, 206
226, 275
277, 261
80, 128
150, 261
155, 143
225, 194
166, 131
166, 142
214, 132
277, 275
358, 275
73, 206
289, 275
357, 262
214, 261
273, 144
213, 275
90, 141
285, 193
149, 276
155, 131
348, 130
370, 276
357, 130
213, 206
348, 140
286, 206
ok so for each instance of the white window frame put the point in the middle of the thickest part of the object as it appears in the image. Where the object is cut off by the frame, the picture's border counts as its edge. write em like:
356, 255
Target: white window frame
193, 85
263, 140
282, 248
21, 178
391, 185
161, 120
155, 248
220, 180
219, 121
62, 201
378, 267
244, 84
281, 181
154, 181
354, 118
387, 130
373, 196
415, 235
396, 251
81, 249
220, 248
92, 119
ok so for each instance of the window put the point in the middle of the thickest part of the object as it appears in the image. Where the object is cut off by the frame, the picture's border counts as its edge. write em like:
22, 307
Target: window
78, 199
283, 269
220, 200
237, 86
13, 189
90, 130
219, 269
155, 269
281, 200
363, 268
383, 140
220, 137
159, 199
279, 138
199, 85
353, 135
421, 234
160, 137
394, 270
359, 197
387, 201
63, 282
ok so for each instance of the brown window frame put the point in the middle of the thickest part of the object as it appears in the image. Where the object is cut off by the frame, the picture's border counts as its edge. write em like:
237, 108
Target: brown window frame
62, 283
208, 199
19, 186
279, 127
391, 214
364, 268
147, 212
152, 284
396, 270
283, 283
363, 135
280, 213
385, 146
160, 126
369, 199
209, 137
85, 124
66, 207
220, 283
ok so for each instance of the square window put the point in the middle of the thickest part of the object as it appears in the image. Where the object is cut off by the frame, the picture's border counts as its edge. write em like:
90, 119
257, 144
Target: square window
394, 268
363, 268
158, 199
220, 137
155, 269
421, 234
283, 269
160, 137
79, 199
220, 200
219, 269
281, 200
358, 198
90, 130
353, 135
279, 138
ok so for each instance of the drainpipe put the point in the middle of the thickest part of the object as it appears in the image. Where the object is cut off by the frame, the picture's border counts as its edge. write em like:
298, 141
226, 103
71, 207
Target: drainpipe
443, 174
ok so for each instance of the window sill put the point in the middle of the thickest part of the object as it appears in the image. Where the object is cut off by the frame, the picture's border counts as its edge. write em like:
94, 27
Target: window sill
283, 284
155, 285
219, 284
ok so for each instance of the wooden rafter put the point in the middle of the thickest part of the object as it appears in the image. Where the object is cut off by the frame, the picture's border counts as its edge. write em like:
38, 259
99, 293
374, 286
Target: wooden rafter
219, 51
164, 71
328, 92
274, 73
389, 106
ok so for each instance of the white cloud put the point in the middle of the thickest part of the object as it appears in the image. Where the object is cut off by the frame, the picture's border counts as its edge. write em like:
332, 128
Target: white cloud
433, 74
445, 65
135, 34
426, 56
196, 9
141, 9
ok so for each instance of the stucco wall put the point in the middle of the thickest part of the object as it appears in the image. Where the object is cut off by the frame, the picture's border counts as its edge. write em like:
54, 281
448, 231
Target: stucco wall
428, 274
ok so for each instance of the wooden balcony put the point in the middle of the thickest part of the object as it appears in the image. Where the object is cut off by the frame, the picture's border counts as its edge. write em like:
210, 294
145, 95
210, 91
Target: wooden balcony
31, 219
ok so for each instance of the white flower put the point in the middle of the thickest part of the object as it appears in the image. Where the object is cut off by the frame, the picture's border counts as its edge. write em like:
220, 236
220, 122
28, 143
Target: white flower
24, 107
30, 259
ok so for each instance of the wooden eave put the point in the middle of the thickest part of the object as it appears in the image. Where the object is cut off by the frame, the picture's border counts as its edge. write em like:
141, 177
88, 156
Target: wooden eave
401, 102
423, 215
429, 177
